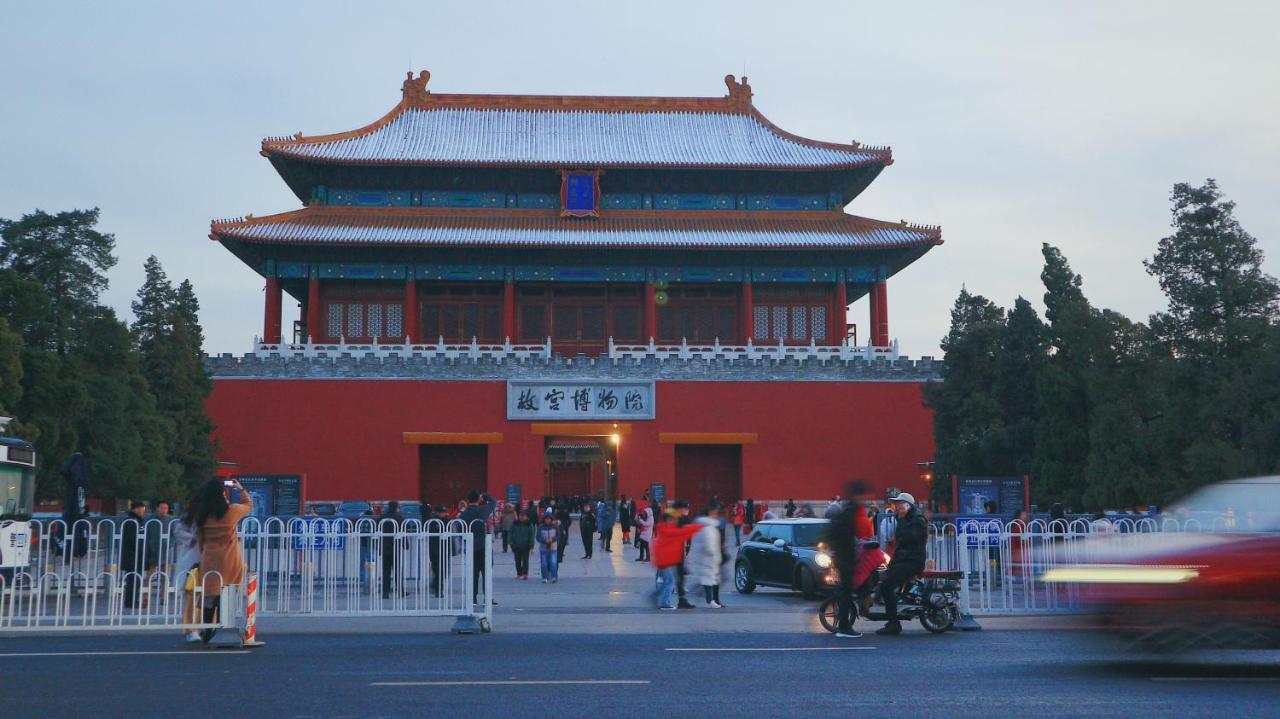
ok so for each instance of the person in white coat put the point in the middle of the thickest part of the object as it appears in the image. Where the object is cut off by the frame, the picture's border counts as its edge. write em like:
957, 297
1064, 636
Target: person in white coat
187, 551
644, 533
702, 564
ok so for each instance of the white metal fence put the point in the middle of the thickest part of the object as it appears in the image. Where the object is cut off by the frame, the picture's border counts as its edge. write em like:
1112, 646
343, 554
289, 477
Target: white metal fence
1004, 563
112, 574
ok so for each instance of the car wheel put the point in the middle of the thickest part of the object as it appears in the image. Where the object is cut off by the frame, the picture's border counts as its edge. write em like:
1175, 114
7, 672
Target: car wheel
808, 584
742, 579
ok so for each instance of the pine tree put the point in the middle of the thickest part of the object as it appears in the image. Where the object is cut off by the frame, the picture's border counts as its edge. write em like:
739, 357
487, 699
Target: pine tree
1062, 423
68, 257
1023, 352
153, 308
1223, 385
968, 427
1210, 269
167, 334
127, 439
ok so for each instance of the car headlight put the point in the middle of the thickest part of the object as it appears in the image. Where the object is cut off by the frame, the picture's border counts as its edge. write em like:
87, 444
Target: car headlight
822, 559
1121, 574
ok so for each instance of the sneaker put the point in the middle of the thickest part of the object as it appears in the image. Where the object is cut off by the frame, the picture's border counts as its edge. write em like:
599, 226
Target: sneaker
890, 629
191, 637
685, 605
849, 634
555, 579
666, 609
544, 581
715, 605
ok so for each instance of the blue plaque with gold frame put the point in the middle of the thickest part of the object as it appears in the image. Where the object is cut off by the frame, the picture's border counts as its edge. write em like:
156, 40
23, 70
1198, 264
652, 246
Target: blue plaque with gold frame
580, 193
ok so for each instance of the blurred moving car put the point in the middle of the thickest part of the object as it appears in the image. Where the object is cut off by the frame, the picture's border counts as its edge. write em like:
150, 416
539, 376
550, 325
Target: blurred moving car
784, 553
1216, 584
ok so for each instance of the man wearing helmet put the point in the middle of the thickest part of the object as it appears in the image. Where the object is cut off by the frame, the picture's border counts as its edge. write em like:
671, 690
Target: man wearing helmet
909, 540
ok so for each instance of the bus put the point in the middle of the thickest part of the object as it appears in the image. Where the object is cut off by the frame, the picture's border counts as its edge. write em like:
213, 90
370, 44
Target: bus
17, 478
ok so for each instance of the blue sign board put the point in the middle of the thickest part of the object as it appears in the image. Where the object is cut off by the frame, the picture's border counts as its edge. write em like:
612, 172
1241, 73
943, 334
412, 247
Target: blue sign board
981, 531
321, 534
658, 493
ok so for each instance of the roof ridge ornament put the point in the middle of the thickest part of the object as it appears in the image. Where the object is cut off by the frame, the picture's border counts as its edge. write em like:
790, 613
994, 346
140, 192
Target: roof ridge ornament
415, 89
739, 92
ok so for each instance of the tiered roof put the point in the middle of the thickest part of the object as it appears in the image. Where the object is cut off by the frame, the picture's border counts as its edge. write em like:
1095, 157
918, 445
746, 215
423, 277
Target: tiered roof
427, 129
453, 227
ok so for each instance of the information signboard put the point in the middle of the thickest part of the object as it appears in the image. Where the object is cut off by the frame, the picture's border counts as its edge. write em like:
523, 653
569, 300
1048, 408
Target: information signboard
658, 493
274, 495
972, 495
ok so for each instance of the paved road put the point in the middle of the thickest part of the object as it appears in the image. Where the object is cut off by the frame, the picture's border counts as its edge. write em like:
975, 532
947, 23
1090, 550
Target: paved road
1036, 673
592, 645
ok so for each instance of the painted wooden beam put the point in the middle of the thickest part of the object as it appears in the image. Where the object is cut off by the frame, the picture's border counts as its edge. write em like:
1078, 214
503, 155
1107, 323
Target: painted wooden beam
708, 438
452, 438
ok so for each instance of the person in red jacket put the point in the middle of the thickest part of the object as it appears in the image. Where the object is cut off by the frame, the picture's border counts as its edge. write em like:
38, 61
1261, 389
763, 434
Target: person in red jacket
668, 553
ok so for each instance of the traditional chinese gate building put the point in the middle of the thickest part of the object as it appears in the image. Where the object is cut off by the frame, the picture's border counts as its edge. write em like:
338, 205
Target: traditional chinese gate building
559, 294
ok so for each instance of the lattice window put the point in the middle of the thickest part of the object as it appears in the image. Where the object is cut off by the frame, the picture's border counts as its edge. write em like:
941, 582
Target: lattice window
818, 316
395, 322
375, 321
760, 322
335, 322
799, 324
355, 320
779, 323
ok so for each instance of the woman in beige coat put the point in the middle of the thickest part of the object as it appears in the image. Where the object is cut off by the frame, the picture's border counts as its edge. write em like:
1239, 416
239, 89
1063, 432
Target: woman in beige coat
221, 556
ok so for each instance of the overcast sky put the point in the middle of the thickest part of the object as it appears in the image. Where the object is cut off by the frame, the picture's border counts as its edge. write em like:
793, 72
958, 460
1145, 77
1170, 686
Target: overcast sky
1011, 123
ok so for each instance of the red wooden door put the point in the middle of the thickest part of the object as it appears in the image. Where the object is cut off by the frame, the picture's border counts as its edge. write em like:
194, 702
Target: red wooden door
570, 480
706, 471
448, 472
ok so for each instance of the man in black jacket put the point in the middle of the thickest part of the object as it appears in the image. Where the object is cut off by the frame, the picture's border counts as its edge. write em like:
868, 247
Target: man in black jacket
842, 544
476, 516
133, 553
587, 528
566, 521
390, 523
909, 539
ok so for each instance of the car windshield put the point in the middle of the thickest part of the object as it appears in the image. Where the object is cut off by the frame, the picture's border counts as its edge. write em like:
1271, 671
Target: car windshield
808, 535
1232, 506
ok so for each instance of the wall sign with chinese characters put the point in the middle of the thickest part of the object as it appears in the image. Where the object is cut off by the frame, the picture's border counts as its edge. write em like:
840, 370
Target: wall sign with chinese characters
580, 193
584, 399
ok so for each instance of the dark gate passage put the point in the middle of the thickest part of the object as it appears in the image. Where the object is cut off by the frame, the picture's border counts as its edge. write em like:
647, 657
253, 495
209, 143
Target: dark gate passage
704, 471
570, 480
448, 472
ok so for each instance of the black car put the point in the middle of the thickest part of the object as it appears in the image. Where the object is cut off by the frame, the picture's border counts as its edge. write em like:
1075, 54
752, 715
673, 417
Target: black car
784, 553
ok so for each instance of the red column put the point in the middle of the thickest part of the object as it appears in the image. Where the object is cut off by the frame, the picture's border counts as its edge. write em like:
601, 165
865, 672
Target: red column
314, 330
880, 315
271, 312
509, 310
650, 312
748, 313
840, 315
410, 310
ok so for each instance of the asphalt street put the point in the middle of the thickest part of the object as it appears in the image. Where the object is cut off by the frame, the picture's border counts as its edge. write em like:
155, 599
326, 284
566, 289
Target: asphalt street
1038, 673
593, 645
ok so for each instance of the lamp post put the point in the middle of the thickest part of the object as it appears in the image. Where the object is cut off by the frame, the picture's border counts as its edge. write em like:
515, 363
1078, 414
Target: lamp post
926, 476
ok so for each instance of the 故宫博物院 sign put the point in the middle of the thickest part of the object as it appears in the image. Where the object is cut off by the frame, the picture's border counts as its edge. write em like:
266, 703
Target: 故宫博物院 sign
584, 399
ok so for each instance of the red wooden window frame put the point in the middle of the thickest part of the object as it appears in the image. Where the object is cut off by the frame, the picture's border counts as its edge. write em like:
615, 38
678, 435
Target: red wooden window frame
620, 306
700, 313
812, 301
349, 297
460, 312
